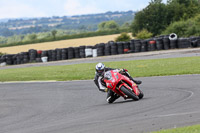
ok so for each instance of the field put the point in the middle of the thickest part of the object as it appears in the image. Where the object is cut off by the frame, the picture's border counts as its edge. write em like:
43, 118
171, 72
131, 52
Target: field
60, 44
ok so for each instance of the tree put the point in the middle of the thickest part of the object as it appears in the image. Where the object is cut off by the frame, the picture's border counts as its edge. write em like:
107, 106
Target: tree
54, 32
152, 18
123, 37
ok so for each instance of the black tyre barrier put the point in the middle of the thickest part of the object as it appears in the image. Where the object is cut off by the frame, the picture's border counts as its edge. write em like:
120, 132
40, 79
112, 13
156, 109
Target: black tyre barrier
120, 48
184, 43
126, 47
76, 52
138, 45
88, 51
58, 54
159, 44
107, 50
144, 46
113, 48
166, 42
71, 53
132, 46
100, 49
173, 44
64, 54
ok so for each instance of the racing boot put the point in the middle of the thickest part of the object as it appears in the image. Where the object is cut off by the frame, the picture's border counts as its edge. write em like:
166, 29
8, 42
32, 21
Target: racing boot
111, 97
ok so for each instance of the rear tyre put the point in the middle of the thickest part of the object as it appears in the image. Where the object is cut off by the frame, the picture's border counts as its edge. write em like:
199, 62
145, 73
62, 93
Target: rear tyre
129, 93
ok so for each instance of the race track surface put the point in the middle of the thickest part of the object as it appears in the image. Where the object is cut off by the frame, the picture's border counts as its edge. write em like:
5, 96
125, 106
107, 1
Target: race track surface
78, 107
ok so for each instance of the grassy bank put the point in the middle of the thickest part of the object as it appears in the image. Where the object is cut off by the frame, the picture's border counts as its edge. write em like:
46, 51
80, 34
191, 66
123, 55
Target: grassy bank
188, 129
140, 68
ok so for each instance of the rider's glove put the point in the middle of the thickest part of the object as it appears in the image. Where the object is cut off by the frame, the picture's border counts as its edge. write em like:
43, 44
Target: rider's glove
106, 90
121, 70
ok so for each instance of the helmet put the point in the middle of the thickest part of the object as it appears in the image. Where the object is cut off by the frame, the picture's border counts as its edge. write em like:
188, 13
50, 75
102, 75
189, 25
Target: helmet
100, 68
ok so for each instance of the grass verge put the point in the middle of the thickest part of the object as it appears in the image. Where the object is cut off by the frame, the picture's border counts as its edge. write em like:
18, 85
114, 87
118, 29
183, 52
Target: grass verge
137, 68
188, 129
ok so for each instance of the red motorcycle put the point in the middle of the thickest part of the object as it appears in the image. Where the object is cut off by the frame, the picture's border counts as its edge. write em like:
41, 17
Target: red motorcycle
122, 85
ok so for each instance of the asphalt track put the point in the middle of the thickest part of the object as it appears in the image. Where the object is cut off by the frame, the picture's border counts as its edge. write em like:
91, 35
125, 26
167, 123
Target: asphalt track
78, 107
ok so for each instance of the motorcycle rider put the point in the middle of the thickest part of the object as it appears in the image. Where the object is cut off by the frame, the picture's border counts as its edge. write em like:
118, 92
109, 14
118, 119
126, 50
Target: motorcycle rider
99, 74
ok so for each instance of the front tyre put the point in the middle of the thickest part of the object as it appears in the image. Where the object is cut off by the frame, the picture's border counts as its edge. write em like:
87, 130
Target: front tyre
129, 93
141, 95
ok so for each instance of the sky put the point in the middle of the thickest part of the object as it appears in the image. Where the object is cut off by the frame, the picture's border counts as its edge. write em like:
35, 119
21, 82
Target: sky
49, 8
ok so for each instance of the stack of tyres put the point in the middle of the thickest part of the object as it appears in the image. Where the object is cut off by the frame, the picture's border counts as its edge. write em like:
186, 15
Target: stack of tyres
184, 43
3, 59
126, 47
64, 54
71, 53
76, 52
49, 53
32, 55
138, 45
166, 42
20, 58
144, 46
44, 54
113, 47
25, 57
94, 51
82, 51
132, 46
53, 55
58, 54
107, 49
100, 49
173, 40
9, 60
151, 45
120, 48
89, 51
159, 44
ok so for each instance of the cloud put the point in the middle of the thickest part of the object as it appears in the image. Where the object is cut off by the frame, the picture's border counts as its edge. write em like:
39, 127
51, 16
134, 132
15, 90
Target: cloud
15, 9
76, 7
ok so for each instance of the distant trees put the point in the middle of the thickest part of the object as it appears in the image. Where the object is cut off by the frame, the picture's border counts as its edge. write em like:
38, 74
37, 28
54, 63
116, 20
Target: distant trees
108, 25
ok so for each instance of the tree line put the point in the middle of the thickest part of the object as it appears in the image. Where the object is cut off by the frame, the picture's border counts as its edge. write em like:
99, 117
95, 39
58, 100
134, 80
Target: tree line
178, 16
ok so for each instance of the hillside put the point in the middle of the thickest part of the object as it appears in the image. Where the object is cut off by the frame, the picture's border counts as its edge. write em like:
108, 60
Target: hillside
70, 23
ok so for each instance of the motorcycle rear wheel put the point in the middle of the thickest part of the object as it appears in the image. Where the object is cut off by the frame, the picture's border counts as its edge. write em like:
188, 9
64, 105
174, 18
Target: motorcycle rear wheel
129, 93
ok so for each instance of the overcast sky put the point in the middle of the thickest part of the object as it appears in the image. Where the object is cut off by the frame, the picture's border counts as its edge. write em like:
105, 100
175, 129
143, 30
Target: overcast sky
48, 8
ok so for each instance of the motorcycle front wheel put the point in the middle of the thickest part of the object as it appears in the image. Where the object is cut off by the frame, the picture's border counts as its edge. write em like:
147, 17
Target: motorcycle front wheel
129, 93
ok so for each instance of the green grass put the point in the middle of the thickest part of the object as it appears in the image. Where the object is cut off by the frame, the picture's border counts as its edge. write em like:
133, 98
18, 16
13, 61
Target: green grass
188, 129
139, 68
